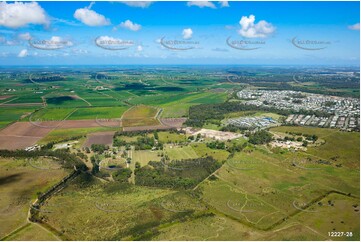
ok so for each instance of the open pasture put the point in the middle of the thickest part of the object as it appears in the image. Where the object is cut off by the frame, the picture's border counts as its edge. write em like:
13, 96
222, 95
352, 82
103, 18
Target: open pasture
340, 147
144, 156
107, 211
168, 137
269, 187
176, 152
20, 181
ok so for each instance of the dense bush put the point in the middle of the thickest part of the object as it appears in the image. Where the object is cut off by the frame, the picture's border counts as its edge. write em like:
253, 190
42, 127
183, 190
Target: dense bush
260, 137
182, 174
122, 175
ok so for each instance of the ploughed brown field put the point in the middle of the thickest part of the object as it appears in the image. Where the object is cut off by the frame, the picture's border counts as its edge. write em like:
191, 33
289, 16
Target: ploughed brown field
173, 122
104, 138
3, 97
20, 135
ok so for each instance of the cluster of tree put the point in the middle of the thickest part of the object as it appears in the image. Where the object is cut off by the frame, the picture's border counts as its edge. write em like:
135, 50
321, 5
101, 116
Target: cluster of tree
54, 78
234, 128
286, 138
217, 145
71, 160
146, 143
95, 160
179, 174
309, 137
142, 132
99, 148
236, 148
260, 137
122, 175
82, 155
142, 143
119, 142
195, 138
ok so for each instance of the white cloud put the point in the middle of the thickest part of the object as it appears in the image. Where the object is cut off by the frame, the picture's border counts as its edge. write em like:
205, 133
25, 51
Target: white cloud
90, 17
354, 26
23, 53
224, 4
18, 14
138, 4
24, 36
251, 30
130, 25
187, 33
201, 4
139, 48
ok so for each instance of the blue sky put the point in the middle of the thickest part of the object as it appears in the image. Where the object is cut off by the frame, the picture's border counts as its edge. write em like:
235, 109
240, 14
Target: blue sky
101, 33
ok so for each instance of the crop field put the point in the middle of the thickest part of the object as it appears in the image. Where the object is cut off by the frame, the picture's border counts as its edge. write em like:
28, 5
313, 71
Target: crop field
61, 134
20, 181
11, 114
51, 114
140, 116
105, 138
98, 112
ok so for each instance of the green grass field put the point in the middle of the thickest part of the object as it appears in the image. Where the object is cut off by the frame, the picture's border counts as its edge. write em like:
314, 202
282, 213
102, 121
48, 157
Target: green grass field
167, 137
98, 112
50, 114
144, 156
180, 152
11, 114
